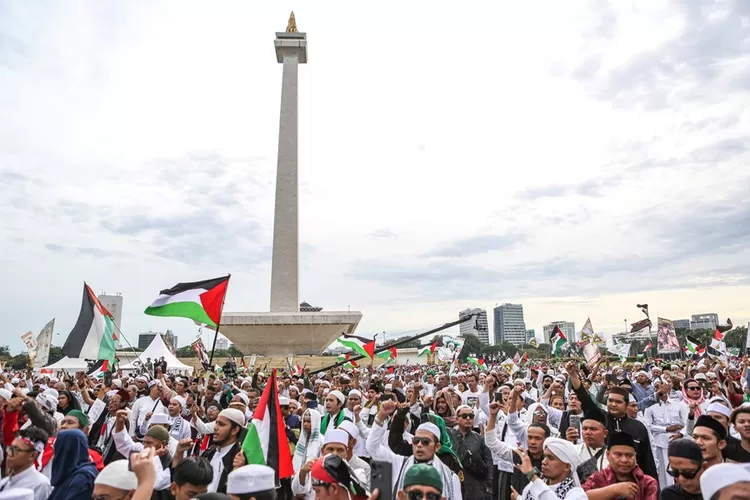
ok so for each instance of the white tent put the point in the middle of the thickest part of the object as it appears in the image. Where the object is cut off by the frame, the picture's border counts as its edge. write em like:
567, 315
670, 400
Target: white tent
155, 350
69, 364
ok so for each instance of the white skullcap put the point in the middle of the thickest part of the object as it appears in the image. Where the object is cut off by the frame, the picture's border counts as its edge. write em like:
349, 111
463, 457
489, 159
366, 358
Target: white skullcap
117, 475
5, 394
233, 415
17, 494
718, 477
153, 383
388, 387
251, 479
15, 381
52, 392
283, 401
245, 399
355, 392
336, 436
180, 400
338, 395
141, 378
700, 376
431, 428
642, 373
350, 428
159, 419
463, 407
117, 383
461, 374
718, 408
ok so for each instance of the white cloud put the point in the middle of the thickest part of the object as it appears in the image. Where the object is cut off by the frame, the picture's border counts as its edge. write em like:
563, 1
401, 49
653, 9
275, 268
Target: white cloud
448, 158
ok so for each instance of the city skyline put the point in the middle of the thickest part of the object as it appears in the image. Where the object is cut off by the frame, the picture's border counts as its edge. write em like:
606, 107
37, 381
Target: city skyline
601, 160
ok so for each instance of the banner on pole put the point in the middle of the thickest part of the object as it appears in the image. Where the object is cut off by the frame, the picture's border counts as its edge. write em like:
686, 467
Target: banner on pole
667, 342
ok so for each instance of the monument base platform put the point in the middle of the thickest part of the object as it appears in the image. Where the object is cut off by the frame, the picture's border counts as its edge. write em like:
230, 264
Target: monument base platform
284, 333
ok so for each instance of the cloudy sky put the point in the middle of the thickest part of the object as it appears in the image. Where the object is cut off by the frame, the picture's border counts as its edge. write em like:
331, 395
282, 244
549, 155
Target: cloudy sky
571, 156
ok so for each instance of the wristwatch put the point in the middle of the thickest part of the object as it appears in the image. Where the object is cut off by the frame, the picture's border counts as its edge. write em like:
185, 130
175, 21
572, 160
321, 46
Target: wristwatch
533, 472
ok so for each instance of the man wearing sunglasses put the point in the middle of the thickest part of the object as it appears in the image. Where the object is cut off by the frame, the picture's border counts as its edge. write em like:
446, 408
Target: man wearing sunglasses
474, 455
425, 443
422, 482
686, 467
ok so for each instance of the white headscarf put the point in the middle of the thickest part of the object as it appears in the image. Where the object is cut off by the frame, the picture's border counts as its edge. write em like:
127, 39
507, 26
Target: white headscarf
566, 452
307, 450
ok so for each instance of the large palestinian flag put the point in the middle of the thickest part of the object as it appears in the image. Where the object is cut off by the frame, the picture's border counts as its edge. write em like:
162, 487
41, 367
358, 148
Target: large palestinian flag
200, 301
93, 336
266, 442
557, 340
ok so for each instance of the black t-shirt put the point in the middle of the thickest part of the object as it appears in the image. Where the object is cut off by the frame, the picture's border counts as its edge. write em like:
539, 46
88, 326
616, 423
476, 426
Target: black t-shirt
674, 492
734, 451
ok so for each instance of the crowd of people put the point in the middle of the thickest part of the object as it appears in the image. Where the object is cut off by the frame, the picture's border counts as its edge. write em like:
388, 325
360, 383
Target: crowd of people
550, 429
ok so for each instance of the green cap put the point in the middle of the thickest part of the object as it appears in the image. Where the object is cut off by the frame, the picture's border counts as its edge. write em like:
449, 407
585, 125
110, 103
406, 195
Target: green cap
158, 432
80, 416
423, 475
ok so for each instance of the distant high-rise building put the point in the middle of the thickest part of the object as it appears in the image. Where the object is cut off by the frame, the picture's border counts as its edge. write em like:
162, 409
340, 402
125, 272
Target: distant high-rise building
222, 344
681, 323
568, 328
113, 304
145, 339
477, 326
530, 334
707, 321
509, 324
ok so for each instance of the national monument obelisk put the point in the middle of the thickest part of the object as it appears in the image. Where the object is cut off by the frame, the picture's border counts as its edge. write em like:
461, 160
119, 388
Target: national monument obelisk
285, 329
291, 51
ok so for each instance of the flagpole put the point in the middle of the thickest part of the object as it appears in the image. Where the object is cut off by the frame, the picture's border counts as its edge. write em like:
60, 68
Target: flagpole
398, 343
218, 324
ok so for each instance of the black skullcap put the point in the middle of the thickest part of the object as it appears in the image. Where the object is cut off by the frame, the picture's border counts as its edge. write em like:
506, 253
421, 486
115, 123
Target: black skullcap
546, 376
686, 448
713, 424
620, 439
596, 414
625, 381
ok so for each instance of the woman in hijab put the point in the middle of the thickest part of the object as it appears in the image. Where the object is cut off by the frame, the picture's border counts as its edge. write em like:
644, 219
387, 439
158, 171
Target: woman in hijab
308, 444
72, 473
66, 402
558, 470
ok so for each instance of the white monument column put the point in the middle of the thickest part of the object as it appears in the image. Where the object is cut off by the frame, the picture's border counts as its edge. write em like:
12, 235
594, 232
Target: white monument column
291, 51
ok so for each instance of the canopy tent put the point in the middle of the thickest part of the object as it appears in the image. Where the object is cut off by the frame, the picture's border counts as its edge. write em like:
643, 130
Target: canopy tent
69, 364
155, 350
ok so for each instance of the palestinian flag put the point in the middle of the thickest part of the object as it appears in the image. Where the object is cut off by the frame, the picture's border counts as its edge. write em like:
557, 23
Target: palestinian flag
517, 358
200, 301
266, 442
718, 339
525, 358
356, 344
477, 361
557, 339
390, 353
428, 349
648, 347
99, 369
93, 336
692, 346
348, 364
